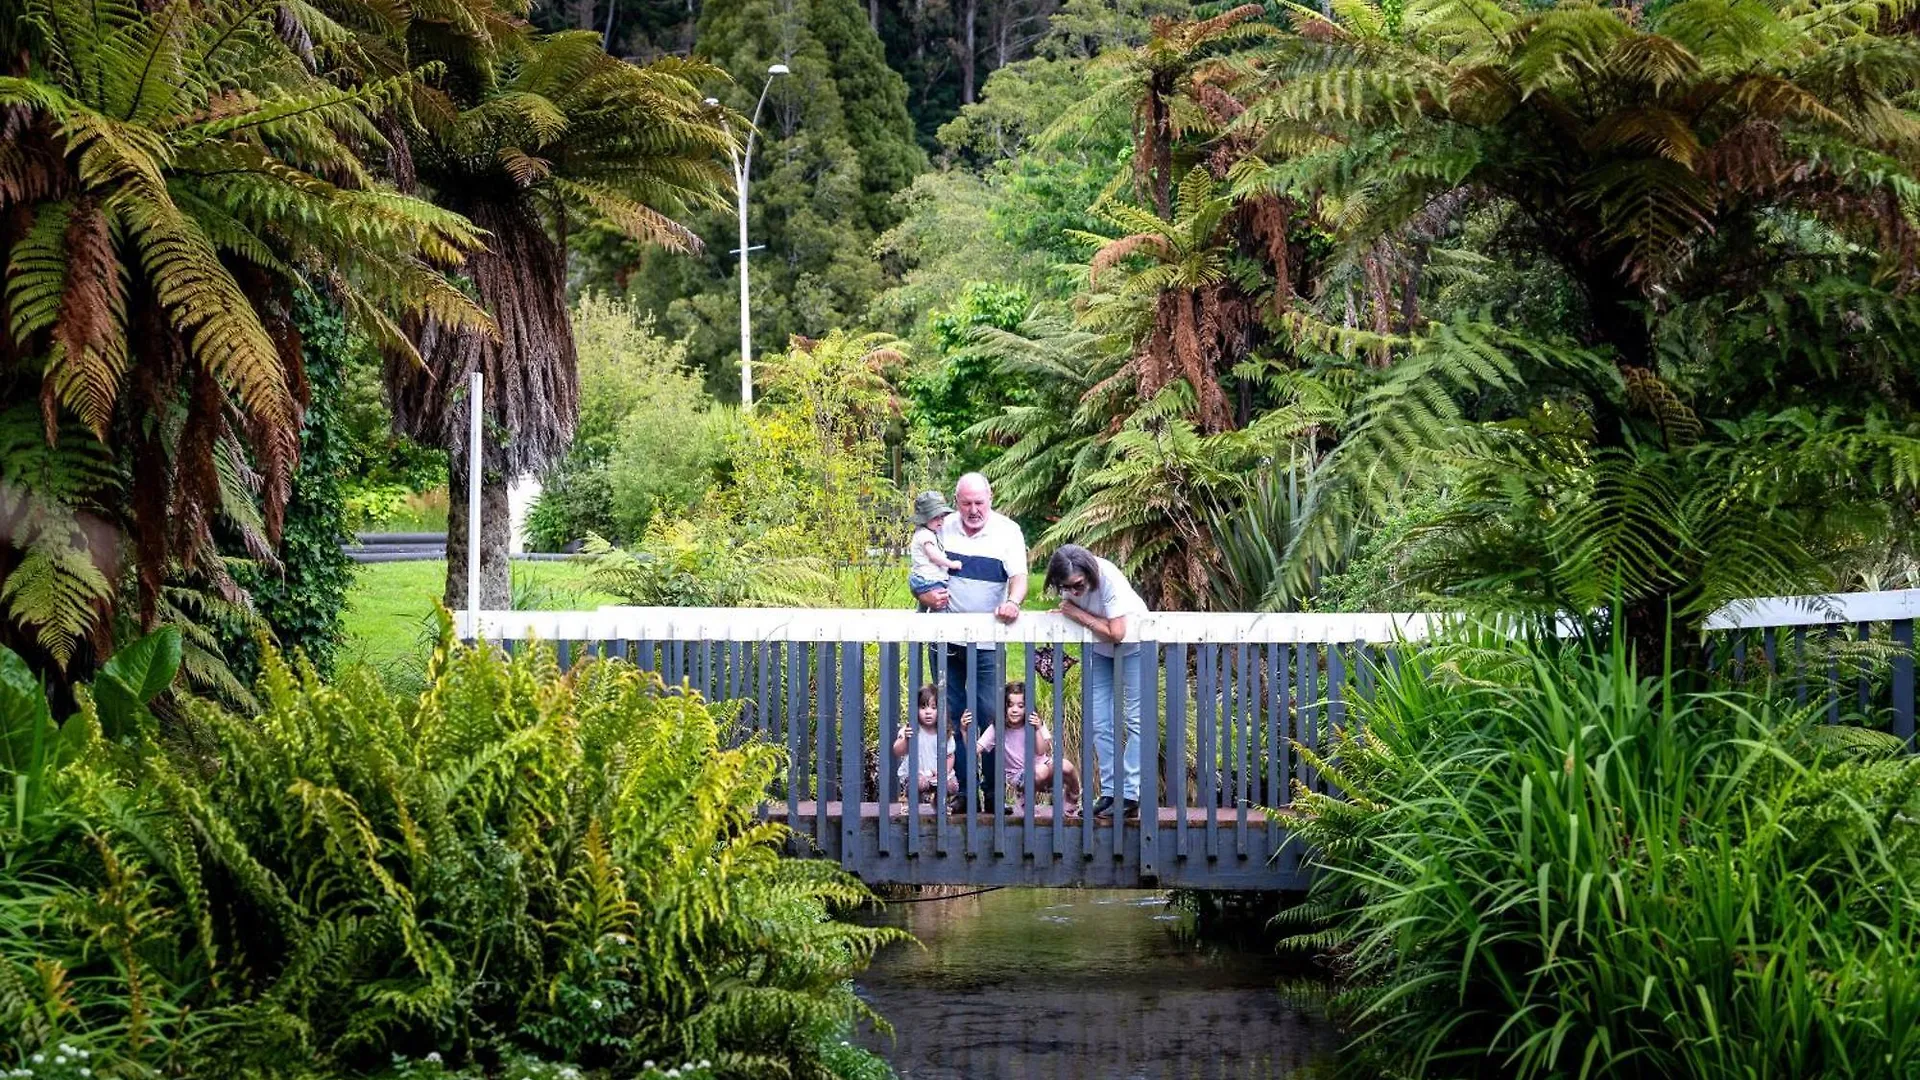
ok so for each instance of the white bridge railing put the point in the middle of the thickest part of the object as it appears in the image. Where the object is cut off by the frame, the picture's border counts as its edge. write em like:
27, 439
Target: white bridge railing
1223, 701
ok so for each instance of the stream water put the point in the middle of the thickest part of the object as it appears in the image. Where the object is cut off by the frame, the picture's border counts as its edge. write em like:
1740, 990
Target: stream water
1067, 984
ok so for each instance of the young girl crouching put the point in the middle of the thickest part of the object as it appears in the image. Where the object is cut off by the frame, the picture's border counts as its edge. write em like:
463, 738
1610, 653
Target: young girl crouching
930, 757
1013, 759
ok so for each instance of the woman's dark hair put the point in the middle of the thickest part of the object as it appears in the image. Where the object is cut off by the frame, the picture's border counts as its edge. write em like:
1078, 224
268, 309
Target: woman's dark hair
1069, 560
929, 695
1017, 686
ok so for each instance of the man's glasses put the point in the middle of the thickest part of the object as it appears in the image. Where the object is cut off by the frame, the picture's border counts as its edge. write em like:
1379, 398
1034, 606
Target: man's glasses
1073, 587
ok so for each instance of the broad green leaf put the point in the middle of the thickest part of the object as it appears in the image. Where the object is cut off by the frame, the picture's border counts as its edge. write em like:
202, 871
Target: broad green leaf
136, 675
24, 717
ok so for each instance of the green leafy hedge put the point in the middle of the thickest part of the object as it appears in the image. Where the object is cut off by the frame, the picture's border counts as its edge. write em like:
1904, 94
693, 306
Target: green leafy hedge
517, 864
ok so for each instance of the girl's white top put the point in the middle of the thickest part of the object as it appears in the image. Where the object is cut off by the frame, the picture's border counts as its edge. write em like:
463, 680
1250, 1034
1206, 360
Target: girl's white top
931, 759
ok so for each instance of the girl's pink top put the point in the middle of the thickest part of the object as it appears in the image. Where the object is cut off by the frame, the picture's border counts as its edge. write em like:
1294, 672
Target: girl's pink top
1013, 760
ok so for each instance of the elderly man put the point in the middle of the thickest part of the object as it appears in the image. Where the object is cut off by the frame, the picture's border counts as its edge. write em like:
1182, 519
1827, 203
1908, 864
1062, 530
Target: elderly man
992, 552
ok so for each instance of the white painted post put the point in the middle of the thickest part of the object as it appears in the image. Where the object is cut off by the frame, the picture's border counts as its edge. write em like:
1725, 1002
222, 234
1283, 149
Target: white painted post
474, 403
746, 319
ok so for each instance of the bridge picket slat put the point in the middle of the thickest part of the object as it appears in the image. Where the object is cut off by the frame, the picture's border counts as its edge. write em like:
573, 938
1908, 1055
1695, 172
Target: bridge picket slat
948, 724
823, 751
1831, 635
913, 757
1800, 665
1243, 733
1865, 630
1177, 742
1087, 769
1228, 732
1059, 681
999, 777
1310, 706
1148, 694
1209, 745
1276, 748
761, 684
1902, 633
969, 735
1029, 795
853, 746
796, 743
889, 728
1336, 692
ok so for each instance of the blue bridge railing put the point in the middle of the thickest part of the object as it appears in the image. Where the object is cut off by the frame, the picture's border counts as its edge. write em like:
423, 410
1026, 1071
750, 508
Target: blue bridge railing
1224, 702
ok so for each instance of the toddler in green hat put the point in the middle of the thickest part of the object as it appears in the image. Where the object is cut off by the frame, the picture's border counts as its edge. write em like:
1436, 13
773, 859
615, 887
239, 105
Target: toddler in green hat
930, 563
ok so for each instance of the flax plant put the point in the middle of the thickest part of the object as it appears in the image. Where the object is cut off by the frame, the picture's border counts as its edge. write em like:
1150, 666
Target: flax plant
1539, 861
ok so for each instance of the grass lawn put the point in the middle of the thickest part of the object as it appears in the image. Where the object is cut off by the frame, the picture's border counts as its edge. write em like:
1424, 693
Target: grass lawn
389, 618
390, 606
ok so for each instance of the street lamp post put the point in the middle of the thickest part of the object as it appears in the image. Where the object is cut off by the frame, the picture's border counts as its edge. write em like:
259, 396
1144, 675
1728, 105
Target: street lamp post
742, 163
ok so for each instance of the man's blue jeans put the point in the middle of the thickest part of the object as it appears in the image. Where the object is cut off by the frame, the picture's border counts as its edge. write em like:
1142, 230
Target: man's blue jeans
986, 668
1098, 672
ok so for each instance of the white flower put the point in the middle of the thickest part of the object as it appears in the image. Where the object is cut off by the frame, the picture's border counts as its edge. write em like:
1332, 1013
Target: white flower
647, 1064
705, 1064
84, 1071
59, 1059
673, 1072
39, 1059
597, 1004
433, 1056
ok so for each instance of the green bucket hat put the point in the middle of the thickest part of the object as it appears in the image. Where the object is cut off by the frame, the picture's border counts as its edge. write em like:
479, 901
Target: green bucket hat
929, 505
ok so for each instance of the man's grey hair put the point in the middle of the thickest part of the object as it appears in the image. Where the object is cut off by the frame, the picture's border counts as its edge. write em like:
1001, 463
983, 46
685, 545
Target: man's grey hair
973, 479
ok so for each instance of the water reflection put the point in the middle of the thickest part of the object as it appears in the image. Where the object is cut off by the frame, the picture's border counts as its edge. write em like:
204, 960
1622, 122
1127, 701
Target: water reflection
1070, 984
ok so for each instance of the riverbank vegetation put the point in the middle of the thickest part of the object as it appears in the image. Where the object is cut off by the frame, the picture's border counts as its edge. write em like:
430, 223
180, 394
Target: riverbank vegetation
517, 871
1538, 860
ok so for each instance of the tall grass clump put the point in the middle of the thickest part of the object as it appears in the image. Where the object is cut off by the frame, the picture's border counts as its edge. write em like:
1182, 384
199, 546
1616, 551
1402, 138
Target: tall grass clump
515, 865
1538, 861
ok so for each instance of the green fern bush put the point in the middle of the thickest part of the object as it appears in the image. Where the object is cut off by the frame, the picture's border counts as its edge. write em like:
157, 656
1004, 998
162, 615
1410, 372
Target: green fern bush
516, 863
1540, 862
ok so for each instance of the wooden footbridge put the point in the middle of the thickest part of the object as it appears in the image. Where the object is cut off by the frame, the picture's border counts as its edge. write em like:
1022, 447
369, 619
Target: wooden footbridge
1224, 702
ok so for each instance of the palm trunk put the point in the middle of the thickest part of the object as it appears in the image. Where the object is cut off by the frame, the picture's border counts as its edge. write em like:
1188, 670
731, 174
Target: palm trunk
496, 580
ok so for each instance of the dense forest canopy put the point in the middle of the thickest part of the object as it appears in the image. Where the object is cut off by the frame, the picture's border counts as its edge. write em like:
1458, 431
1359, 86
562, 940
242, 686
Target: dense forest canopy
1528, 306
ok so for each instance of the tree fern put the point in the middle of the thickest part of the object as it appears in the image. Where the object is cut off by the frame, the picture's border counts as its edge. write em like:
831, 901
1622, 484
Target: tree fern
532, 136
177, 172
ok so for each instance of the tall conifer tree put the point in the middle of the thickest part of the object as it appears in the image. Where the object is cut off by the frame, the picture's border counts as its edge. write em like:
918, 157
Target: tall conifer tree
836, 144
